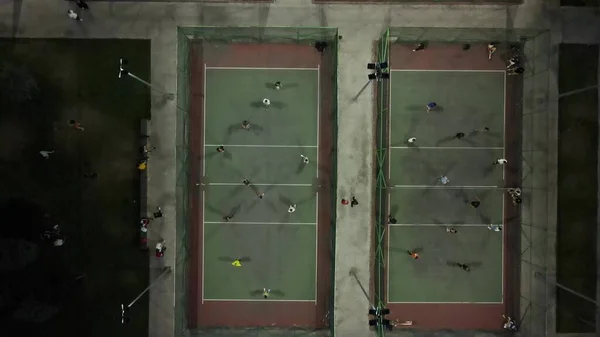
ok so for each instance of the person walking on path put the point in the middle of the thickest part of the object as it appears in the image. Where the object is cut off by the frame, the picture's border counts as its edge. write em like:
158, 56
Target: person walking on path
236, 263
431, 106
354, 202
246, 125
412, 140
82, 4
459, 135
266, 292
413, 254
46, 154
444, 180
73, 123
160, 248
72, 15
500, 161
305, 159
292, 208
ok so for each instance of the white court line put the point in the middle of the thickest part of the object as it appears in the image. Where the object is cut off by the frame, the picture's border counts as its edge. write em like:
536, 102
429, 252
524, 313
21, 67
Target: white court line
392, 302
262, 223
242, 184
446, 148
317, 194
389, 178
261, 145
504, 127
254, 300
257, 68
203, 255
203, 172
442, 187
450, 70
436, 225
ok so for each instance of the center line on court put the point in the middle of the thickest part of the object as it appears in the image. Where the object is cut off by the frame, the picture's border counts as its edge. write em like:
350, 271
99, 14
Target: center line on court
262, 223
259, 145
445, 187
439, 225
446, 148
253, 184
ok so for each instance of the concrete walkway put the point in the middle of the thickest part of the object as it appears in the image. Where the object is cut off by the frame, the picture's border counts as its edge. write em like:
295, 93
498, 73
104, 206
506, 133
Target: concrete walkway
360, 26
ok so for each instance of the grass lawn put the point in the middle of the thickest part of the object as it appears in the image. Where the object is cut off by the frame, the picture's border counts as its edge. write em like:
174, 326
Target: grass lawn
76, 79
577, 188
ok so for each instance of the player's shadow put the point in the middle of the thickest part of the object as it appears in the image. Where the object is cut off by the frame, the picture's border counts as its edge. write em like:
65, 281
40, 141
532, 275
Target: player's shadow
445, 140
405, 250
301, 166
471, 264
254, 128
231, 259
276, 105
286, 86
285, 200
208, 155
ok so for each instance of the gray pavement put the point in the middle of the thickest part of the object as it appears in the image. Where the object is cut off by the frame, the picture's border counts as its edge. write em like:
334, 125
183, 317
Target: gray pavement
360, 26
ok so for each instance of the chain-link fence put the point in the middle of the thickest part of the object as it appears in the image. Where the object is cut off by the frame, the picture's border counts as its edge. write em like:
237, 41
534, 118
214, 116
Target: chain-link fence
528, 248
216, 36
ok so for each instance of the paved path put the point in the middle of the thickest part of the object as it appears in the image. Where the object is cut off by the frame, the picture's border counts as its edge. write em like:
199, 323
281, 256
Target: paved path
360, 26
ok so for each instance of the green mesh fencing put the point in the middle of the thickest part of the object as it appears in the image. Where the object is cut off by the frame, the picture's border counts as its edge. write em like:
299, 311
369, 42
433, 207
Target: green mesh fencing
182, 166
262, 34
185, 37
381, 193
532, 100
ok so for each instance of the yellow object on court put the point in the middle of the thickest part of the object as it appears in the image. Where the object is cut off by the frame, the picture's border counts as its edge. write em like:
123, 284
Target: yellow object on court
236, 263
142, 166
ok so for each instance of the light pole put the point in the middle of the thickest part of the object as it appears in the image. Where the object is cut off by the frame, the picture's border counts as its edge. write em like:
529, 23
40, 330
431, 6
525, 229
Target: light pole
125, 308
124, 72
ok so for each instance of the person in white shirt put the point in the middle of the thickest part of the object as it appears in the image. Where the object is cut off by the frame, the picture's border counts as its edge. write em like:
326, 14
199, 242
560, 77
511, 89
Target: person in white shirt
72, 15
500, 161
495, 228
292, 208
46, 154
266, 102
444, 180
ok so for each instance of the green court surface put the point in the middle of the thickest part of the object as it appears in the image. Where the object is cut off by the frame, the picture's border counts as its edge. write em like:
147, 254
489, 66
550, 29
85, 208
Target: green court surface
282, 257
432, 278
235, 95
277, 248
424, 207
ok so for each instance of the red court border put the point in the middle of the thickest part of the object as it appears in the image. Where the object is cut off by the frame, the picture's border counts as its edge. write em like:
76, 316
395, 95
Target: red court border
461, 316
261, 313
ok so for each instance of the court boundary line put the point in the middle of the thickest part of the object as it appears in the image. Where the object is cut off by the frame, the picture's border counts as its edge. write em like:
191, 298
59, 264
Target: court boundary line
261, 145
241, 184
257, 68
317, 194
256, 300
261, 184
442, 187
204, 112
448, 147
451, 70
441, 225
445, 302
389, 179
261, 223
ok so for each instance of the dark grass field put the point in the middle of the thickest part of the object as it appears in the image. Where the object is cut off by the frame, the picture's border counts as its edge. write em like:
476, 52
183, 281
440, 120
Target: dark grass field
577, 188
100, 265
580, 3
